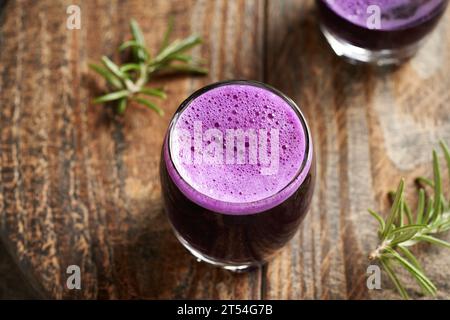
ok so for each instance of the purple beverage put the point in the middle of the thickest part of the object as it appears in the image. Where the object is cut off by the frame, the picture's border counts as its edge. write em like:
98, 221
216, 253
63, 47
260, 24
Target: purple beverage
378, 31
237, 172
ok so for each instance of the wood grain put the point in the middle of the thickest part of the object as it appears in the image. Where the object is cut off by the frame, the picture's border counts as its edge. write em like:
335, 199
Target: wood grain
79, 185
370, 127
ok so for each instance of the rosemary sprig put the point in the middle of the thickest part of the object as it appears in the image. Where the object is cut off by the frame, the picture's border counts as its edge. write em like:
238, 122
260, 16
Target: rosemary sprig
403, 229
127, 82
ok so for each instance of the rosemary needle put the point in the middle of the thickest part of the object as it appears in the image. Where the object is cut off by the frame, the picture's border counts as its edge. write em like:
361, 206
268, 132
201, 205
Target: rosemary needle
400, 230
127, 82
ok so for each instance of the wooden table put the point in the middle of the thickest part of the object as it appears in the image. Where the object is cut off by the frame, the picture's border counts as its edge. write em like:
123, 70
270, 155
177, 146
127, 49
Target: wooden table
79, 185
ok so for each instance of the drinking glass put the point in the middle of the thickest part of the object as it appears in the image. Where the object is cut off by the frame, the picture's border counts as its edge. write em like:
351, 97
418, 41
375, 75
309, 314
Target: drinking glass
381, 32
229, 213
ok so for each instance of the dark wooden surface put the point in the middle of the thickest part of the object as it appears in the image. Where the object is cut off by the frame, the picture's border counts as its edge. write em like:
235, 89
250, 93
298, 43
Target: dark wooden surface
79, 185
13, 284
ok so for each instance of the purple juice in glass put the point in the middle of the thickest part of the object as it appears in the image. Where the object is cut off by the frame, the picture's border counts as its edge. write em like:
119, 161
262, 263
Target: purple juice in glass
382, 32
237, 173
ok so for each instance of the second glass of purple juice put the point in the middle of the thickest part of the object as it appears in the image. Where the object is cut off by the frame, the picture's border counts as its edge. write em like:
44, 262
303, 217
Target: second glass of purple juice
381, 32
237, 173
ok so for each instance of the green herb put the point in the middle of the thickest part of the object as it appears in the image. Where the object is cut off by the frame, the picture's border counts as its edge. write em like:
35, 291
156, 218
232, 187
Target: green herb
403, 228
128, 82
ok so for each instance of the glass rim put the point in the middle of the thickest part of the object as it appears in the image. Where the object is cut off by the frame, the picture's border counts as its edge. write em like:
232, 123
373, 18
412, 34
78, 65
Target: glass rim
307, 134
